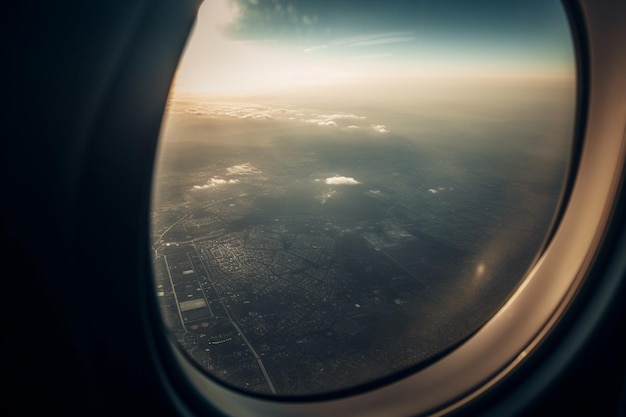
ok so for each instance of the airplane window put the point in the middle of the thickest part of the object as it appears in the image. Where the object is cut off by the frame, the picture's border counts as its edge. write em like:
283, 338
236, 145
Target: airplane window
345, 191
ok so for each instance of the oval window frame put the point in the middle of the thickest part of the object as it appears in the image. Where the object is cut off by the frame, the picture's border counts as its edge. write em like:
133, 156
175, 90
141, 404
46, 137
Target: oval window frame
542, 298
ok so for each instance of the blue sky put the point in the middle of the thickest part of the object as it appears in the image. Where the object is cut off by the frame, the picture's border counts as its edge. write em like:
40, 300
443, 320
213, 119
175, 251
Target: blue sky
241, 45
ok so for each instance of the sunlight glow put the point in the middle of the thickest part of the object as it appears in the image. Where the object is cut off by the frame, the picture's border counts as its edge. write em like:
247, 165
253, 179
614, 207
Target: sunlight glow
217, 61
213, 62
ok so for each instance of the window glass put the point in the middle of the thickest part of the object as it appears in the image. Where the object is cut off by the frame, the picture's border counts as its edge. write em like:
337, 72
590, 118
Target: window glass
345, 190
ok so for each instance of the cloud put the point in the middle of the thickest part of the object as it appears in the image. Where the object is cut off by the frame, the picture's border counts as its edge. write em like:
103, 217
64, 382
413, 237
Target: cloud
213, 109
380, 128
214, 182
339, 180
377, 38
321, 122
339, 116
242, 169
193, 110
382, 41
332, 119
439, 189
224, 110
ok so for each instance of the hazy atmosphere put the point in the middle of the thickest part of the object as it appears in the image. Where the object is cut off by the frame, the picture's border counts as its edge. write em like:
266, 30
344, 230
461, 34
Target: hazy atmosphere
345, 191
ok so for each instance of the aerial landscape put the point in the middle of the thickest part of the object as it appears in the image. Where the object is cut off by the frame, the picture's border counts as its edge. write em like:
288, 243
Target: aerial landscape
335, 230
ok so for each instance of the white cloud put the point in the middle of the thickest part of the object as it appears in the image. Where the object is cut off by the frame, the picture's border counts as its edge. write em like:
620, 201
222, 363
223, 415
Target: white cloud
327, 123
439, 189
338, 116
214, 182
380, 128
321, 122
340, 180
331, 119
242, 169
208, 108
381, 41
376, 38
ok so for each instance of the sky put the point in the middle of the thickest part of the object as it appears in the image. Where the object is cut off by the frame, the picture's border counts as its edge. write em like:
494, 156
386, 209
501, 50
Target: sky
242, 46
